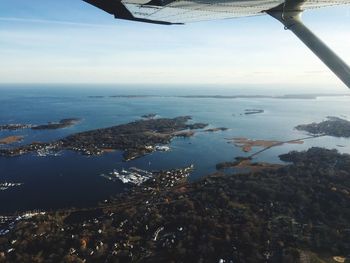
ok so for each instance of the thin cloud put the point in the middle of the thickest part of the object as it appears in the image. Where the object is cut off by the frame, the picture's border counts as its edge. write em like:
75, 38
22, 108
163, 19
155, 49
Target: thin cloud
56, 22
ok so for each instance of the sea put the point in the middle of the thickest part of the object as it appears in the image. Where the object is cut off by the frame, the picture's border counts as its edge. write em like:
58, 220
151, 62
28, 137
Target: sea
73, 180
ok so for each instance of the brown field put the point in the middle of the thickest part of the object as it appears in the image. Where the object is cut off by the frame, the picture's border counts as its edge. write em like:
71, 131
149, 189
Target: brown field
11, 139
257, 167
246, 144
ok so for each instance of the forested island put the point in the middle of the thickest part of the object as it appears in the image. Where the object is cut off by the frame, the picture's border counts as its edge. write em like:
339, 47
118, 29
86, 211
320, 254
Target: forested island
135, 138
297, 213
333, 126
64, 123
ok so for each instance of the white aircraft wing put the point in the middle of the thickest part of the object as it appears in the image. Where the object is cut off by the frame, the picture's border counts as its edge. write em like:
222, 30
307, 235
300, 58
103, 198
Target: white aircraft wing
185, 11
288, 12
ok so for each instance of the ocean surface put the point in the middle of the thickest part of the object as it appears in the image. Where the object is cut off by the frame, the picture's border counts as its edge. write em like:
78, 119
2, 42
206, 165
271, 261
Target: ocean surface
71, 179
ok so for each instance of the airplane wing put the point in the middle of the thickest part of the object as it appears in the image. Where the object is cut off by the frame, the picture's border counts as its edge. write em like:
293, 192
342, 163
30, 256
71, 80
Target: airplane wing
185, 11
288, 12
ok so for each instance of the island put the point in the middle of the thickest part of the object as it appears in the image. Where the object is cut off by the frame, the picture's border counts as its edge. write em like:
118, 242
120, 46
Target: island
15, 127
96, 97
297, 213
135, 139
332, 126
252, 111
64, 123
216, 129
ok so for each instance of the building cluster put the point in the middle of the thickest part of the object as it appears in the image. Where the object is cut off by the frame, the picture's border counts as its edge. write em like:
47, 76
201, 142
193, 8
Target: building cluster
7, 185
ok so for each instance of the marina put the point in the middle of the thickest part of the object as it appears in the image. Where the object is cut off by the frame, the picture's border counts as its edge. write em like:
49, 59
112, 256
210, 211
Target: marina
132, 176
9, 222
136, 176
5, 186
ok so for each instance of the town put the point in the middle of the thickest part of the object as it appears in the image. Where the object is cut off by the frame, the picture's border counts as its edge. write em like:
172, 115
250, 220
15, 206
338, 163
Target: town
279, 215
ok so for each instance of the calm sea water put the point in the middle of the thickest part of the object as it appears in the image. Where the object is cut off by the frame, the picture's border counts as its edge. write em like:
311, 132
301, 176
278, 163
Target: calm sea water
73, 180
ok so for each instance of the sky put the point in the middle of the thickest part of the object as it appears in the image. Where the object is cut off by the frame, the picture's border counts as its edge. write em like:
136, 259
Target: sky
70, 41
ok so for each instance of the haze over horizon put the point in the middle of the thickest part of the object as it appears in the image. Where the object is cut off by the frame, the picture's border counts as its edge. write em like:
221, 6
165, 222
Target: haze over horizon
73, 42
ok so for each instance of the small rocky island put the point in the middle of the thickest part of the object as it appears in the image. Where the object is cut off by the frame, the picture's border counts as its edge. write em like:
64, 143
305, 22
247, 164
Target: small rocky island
216, 129
135, 138
253, 111
332, 126
297, 213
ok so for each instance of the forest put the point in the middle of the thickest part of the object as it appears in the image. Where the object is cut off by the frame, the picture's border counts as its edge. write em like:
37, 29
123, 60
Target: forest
296, 213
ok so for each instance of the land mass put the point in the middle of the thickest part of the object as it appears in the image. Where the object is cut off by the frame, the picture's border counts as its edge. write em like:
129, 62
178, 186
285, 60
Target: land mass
64, 123
15, 127
246, 144
253, 111
248, 165
135, 138
11, 139
333, 126
295, 213
216, 129
149, 116
287, 96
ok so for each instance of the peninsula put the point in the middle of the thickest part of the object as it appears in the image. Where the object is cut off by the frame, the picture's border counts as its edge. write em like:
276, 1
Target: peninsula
136, 138
64, 123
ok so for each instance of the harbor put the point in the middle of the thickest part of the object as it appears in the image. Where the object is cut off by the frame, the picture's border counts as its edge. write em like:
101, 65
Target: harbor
5, 186
136, 176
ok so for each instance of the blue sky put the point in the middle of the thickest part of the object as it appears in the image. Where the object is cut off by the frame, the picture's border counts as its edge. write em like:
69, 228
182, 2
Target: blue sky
69, 41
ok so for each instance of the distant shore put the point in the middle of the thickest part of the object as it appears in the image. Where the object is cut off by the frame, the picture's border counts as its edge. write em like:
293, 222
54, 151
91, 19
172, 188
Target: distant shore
287, 96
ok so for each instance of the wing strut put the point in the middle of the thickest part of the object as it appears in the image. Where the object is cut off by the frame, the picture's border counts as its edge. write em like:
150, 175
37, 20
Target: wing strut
289, 14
